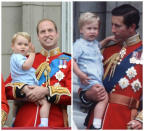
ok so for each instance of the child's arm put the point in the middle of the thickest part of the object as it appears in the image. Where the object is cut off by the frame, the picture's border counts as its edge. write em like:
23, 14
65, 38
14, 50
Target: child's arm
107, 40
29, 62
83, 77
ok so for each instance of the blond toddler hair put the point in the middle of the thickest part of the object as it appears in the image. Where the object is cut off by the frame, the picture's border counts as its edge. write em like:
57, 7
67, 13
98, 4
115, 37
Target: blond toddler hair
23, 34
87, 18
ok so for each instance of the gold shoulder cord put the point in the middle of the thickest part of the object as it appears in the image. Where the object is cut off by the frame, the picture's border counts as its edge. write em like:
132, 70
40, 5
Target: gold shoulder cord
113, 61
109, 62
44, 67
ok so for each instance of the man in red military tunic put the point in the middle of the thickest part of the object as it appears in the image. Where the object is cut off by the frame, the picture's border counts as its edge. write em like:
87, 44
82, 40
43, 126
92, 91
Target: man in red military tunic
123, 72
55, 86
4, 104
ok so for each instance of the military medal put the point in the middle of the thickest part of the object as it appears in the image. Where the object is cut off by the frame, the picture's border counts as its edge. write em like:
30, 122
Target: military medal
131, 72
59, 75
64, 64
136, 85
136, 58
60, 63
123, 83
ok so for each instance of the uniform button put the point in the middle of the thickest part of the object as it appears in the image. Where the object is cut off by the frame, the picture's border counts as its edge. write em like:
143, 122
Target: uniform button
113, 90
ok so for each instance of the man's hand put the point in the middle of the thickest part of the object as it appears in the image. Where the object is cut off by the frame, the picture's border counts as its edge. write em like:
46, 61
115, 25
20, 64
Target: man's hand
134, 124
96, 93
37, 93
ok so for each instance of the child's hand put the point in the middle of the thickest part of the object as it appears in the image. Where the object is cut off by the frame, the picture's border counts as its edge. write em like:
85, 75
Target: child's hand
111, 38
84, 78
25, 89
32, 48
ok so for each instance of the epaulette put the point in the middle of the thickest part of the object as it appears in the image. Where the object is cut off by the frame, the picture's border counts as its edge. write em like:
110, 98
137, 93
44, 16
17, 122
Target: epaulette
67, 53
37, 53
109, 45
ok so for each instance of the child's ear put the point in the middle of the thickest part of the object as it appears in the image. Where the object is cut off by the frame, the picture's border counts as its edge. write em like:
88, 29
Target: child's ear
12, 46
80, 31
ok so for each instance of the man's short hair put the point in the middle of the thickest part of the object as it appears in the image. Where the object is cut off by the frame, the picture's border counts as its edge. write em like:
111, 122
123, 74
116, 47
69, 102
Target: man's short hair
45, 19
87, 18
131, 14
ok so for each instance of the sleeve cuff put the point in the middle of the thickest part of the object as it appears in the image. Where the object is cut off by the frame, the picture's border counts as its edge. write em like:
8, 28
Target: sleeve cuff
17, 89
56, 92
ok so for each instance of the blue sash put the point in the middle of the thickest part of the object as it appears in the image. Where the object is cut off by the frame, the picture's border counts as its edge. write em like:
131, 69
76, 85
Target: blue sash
119, 73
54, 67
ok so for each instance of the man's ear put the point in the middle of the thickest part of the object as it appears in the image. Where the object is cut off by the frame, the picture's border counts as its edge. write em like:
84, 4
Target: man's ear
38, 37
133, 27
57, 35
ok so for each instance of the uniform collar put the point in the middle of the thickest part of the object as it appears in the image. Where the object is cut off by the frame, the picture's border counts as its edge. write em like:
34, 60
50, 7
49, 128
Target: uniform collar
50, 53
132, 40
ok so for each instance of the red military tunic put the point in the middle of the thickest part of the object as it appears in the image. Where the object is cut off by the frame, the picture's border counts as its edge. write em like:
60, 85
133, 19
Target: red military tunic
126, 82
4, 104
28, 115
117, 116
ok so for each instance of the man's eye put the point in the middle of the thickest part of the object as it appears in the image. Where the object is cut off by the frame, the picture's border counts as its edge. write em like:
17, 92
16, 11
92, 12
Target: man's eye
42, 31
118, 26
19, 43
50, 30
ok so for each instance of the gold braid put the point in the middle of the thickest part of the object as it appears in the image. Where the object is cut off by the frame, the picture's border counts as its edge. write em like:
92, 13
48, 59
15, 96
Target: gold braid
44, 67
110, 62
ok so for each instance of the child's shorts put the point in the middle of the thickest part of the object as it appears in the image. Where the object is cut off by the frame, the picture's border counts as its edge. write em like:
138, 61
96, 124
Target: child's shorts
84, 99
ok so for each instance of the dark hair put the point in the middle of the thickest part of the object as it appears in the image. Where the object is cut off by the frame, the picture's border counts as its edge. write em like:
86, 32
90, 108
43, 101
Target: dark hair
45, 19
131, 14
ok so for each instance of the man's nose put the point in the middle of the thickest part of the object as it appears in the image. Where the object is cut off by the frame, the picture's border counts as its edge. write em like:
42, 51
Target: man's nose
46, 33
113, 29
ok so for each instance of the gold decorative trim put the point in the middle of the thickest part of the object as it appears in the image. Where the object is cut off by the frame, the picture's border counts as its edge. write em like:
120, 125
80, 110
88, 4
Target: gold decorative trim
139, 117
57, 90
132, 40
50, 53
3, 117
14, 86
44, 67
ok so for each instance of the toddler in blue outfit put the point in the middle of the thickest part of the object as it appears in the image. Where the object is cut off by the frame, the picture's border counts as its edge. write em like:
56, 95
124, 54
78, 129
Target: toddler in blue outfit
22, 71
87, 63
